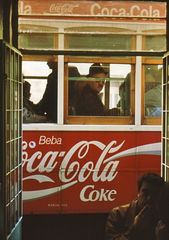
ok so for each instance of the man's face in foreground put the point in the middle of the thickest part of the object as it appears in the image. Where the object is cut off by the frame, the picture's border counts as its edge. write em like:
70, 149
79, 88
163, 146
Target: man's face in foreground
148, 195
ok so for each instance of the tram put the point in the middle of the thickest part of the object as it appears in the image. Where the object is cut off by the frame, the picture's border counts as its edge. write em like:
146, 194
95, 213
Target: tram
85, 164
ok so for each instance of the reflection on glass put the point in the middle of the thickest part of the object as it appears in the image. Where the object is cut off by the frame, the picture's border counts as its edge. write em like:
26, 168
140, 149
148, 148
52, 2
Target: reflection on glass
15, 95
153, 90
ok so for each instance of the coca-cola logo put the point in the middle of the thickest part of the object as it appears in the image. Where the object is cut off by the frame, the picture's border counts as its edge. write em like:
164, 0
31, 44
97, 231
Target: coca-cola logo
85, 164
60, 8
72, 171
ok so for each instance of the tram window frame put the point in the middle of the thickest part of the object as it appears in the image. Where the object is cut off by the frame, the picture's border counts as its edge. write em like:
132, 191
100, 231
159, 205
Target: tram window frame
106, 120
102, 120
149, 120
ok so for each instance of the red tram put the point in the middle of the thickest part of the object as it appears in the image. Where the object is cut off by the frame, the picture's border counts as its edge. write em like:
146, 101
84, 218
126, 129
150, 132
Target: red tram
90, 163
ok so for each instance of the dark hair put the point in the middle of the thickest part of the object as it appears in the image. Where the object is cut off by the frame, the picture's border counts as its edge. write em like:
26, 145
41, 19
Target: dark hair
26, 86
151, 178
96, 68
73, 71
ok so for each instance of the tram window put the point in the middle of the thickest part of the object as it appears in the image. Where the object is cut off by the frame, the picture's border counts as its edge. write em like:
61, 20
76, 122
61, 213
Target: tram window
153, 90
97, 41
31, 40
39, 103
155, 43
108, 94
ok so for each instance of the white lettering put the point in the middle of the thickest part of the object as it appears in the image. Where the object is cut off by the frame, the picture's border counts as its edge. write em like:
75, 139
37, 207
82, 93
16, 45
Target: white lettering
133, 11
24, 9
65, 8
70, 170
88, 194
122, 12
94, 9
97, 175
53, 140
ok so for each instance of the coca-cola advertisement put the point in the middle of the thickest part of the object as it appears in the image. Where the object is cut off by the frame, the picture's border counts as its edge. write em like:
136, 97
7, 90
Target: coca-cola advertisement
115, 9
85, 172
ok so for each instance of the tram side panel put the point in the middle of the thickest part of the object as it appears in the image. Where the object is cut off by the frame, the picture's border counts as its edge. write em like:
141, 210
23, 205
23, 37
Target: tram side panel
85, 172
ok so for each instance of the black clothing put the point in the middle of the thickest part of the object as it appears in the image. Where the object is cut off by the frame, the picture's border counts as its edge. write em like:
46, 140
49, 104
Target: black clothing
120, 221
88, 103
48, 103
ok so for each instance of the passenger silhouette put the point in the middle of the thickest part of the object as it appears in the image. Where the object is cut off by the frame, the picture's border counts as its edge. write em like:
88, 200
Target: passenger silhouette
48, 104
29, 109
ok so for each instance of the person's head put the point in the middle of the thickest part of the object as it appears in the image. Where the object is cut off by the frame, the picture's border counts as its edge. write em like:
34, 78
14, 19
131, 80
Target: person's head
52, 62
150, 186
97, 71
26, 89
73, 71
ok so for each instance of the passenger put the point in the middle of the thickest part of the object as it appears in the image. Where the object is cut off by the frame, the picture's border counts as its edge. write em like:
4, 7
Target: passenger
29, 112
48, 104
153, 95
73, 73
153, 101
142, 219
124, 93
88, 102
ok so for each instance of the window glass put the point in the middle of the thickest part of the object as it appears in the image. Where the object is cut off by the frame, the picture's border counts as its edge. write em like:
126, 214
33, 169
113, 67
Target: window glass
40, 91
99, 89
153, 90
35, 69
37, 40
97, 41
155, 43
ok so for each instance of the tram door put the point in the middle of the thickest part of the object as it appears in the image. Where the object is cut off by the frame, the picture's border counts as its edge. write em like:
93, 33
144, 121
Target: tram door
10, 143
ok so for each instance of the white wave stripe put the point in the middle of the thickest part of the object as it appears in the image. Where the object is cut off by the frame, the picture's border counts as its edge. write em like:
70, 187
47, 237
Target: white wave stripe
30, 195
39, 178
150, 149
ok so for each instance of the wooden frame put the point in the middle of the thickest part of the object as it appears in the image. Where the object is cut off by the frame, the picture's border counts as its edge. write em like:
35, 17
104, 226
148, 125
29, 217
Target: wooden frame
106, 120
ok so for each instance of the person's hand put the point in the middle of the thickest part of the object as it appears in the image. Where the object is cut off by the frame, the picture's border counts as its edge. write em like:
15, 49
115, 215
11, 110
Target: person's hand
161, 232
144, 218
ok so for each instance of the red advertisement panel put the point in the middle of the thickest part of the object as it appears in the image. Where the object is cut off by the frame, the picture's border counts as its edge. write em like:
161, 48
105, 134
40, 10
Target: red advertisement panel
114, 9
85, 172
